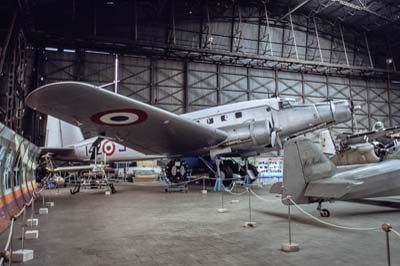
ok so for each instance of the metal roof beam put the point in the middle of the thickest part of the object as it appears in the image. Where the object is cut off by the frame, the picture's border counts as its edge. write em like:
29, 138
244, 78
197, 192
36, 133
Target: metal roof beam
294, 9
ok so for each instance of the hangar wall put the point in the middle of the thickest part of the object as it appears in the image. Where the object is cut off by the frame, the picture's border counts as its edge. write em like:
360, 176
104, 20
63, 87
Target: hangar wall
187, 86
192, 59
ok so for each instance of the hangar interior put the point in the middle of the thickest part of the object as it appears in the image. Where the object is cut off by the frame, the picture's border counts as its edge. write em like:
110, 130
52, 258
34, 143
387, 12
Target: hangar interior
188, 55
184, 56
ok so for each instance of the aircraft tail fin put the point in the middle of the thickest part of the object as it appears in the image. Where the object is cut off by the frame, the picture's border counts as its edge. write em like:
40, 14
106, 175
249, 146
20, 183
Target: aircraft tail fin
304, 162
61, 134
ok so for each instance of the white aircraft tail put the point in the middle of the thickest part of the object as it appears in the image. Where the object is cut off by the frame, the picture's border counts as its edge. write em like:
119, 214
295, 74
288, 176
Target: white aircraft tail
60, 134
304, 162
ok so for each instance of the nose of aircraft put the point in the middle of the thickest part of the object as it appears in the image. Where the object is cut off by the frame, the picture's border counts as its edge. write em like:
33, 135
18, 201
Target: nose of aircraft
341, 110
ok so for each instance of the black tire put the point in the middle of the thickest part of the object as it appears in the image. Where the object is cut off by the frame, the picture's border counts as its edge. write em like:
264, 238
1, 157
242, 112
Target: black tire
325, 213
177, 174
226, 175
253, 168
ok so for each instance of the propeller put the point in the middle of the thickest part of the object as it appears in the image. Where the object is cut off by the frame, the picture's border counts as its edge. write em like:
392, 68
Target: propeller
353, 109
275, 139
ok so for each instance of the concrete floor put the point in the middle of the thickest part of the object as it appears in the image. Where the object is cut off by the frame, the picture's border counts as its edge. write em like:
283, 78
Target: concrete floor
145, 226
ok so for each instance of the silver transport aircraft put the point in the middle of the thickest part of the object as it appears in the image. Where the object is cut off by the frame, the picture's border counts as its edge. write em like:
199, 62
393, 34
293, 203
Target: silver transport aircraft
240, 129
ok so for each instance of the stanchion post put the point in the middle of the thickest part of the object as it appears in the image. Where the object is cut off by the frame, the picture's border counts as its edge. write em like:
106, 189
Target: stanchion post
23, 228
11, 243
387, 228
290, 247
290, 225
204, 191
250, 223
32, 210
248, 191
222, 198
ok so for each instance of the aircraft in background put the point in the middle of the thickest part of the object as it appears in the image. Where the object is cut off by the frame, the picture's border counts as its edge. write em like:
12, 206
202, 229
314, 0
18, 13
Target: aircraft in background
364, 147
65, 142
309, 176
241, 129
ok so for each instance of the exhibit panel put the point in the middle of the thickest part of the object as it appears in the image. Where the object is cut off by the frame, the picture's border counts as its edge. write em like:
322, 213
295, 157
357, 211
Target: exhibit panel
17, 169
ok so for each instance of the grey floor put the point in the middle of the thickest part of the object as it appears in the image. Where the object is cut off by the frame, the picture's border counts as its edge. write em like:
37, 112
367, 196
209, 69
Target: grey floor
145, 226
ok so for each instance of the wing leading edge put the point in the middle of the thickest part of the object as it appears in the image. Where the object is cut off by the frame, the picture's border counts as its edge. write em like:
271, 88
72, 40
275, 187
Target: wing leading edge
137, 125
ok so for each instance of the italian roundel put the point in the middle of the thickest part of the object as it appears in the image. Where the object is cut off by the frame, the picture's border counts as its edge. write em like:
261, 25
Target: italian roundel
119, 117
108, 148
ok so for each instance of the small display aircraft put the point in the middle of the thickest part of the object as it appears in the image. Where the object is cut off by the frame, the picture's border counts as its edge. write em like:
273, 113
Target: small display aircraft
311, 177
240, 129
364, 147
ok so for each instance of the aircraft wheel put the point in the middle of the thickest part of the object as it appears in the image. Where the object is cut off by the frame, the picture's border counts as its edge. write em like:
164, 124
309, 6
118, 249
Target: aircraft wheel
255, 171
176, 171
226, 173
324, 213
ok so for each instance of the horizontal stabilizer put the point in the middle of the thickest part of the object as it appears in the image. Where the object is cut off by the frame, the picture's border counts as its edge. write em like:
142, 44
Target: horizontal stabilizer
330, 188
276, 188
56, 151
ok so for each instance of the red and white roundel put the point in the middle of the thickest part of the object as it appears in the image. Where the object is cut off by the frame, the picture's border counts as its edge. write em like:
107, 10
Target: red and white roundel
119, 117
108, 148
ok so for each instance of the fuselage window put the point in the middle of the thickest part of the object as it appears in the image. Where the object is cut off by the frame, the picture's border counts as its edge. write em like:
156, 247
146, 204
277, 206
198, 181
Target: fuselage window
224, 118
210, 120
238, 115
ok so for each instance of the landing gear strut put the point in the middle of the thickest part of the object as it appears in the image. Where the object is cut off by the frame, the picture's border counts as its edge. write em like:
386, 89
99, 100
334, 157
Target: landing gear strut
323, 212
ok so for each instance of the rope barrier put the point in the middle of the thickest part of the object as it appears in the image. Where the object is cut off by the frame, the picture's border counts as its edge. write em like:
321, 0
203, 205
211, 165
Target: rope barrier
395, 232
15, 217
331, 224
10, 235
261, 198
229, 191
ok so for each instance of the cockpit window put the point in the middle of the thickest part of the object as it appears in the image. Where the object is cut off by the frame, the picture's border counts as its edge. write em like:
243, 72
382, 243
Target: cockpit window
286, 104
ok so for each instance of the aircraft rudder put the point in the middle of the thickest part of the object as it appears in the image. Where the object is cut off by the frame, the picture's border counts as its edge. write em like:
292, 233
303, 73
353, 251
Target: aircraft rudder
304, 162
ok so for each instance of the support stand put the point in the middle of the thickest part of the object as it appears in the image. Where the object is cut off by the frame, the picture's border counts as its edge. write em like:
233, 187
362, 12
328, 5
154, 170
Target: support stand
218, 187
32, 221
290, 247
222, 209
43, 210
249, 223
22, 255
204, 190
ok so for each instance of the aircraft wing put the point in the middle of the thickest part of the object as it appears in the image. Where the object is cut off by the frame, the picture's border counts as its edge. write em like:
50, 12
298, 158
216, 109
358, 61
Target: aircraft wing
379, 135
79, 168
56, 151
137, 125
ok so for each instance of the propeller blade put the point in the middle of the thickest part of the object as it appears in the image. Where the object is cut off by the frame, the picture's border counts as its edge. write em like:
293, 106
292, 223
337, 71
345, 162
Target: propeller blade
273, 138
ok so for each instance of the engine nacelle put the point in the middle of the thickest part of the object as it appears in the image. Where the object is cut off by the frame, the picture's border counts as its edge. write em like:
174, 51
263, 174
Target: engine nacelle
260, 132
360, 154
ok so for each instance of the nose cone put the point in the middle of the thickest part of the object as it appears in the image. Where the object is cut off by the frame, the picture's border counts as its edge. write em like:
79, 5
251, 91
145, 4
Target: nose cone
342, 111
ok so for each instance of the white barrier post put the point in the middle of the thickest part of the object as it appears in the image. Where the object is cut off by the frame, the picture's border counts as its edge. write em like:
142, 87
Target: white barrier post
43, 210
249, 223
290, 247
22, 255
204, 191
387, 228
